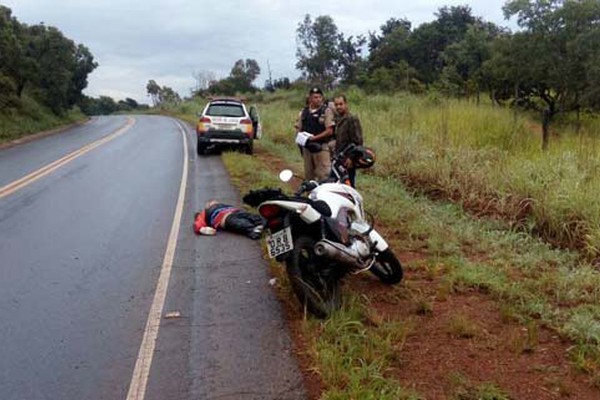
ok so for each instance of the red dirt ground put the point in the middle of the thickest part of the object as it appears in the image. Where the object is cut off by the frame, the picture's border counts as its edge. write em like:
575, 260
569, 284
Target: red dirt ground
525, 362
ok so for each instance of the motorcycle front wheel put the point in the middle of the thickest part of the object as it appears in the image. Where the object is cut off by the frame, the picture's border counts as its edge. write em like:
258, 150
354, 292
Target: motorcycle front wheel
317, 288
387, 268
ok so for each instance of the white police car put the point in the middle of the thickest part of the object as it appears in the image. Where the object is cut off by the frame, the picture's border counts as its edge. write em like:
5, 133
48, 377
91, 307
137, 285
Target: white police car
226, 122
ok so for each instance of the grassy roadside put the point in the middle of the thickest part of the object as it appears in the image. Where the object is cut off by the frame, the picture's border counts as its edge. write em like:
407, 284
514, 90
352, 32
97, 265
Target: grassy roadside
360, 352
486, 158
349, 356
31, 119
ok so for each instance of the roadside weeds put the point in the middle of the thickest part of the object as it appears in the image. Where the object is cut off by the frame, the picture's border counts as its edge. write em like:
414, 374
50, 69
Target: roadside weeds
36, 136
483, 312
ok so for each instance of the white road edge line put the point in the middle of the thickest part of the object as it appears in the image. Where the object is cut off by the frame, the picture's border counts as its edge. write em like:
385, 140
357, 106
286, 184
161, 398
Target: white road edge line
139, 380
53, 166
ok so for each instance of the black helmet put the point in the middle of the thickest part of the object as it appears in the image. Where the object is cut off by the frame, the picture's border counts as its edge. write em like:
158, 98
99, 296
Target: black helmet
362, 157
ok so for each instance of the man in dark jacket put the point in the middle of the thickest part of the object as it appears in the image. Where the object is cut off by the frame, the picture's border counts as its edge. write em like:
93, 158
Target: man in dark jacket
347, 130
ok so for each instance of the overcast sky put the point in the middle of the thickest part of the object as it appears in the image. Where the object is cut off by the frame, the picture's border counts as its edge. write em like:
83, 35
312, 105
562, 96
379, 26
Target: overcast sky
137, 40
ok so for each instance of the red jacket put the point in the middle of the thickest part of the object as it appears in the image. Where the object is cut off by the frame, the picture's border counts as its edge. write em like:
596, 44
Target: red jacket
213, 216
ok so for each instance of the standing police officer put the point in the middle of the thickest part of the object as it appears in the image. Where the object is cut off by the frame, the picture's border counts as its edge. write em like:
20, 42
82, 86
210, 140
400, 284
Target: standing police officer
317, 119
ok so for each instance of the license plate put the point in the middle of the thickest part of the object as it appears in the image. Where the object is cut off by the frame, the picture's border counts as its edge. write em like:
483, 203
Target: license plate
280, 242
225, 127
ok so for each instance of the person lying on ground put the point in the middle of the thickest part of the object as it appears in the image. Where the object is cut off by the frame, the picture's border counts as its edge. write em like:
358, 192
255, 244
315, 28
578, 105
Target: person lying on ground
220, 216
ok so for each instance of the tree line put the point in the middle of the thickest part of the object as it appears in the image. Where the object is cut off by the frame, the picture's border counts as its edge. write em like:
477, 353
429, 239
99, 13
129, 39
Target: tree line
551, 64
105, 105
240, 80
39, 61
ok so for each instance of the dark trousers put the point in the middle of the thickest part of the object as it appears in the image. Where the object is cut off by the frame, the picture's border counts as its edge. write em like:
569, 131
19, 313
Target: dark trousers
242, 222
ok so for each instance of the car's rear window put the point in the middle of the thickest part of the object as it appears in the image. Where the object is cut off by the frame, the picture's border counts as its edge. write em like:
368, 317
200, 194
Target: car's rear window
225, 110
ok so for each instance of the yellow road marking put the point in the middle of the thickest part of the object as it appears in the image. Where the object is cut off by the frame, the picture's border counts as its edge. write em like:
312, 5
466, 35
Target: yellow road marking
53, 166
139, 380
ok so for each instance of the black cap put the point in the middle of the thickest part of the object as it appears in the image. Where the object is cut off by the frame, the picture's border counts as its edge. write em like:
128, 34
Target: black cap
315, 90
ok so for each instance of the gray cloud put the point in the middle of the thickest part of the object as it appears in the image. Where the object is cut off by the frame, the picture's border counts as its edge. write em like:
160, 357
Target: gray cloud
138, 40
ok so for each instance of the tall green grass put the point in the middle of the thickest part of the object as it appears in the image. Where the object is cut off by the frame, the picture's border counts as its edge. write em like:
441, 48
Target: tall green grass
487, 158
32, 118
534, 284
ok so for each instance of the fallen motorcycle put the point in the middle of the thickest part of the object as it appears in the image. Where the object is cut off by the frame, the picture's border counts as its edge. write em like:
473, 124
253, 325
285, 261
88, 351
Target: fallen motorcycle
322, 234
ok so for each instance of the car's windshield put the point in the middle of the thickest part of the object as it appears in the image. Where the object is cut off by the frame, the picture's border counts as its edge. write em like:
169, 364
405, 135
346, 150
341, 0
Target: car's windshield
225, 110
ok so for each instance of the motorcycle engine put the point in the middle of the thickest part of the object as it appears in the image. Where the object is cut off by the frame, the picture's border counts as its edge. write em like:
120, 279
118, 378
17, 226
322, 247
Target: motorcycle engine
360, 246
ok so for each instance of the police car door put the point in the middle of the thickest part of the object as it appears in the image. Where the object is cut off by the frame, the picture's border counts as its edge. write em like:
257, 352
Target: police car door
255, 122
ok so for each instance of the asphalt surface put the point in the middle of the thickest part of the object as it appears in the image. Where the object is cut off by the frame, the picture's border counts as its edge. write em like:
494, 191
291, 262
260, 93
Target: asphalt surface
80, 253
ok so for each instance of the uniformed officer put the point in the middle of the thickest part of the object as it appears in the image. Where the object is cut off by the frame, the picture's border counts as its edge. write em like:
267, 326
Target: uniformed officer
317, 119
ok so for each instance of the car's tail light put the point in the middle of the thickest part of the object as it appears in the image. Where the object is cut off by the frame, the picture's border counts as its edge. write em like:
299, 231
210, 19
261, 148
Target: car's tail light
201, 128
269, 211
247, 127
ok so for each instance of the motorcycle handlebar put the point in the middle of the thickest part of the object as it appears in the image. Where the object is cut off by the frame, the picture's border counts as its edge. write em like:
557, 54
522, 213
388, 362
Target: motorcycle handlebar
306, 186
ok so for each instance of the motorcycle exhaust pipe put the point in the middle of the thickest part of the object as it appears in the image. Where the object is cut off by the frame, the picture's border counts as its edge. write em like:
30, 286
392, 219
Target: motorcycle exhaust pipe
337, 252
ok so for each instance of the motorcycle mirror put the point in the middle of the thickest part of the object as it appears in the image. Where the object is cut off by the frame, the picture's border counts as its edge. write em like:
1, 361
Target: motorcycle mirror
286, 175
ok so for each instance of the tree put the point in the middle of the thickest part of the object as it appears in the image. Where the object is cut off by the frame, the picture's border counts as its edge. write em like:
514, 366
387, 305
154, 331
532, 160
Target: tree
282, 83
84, 64
423, 53
350, 61
162, 96
398, 76
131, 103
153, 90
545, 61
243, 73
105, 105
318, 50
465, 59
55, 67
240, 79
11, 54
168, 96
589, 47
426, 44
390, 47
8, 93
203, 81
41, 61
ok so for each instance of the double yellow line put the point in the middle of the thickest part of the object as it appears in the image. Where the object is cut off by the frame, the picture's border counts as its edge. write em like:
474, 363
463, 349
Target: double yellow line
53, 166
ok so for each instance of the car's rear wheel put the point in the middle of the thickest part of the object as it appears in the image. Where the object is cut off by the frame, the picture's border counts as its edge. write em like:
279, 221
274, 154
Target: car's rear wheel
201, 149
249, 149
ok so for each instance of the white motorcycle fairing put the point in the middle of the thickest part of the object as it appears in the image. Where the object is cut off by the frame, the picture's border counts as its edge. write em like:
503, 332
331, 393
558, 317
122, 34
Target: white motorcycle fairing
338, 197
380, 243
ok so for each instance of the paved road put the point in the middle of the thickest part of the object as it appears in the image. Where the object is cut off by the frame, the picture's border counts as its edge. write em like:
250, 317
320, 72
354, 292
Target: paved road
81, 250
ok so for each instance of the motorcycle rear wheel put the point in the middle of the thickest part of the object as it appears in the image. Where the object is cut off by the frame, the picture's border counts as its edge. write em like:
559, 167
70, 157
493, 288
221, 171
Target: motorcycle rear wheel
317, 289
387, 268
